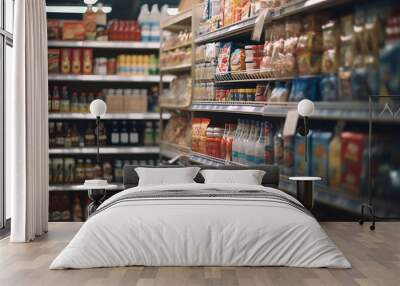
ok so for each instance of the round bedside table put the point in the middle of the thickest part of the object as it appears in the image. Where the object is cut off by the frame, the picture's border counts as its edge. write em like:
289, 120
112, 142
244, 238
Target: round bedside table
96, 194
304, 191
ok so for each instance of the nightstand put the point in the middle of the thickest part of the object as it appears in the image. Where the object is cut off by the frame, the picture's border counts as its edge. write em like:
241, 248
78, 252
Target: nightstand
96, 193
304, 190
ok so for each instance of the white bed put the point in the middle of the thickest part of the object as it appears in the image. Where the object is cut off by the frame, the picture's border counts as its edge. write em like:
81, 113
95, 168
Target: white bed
206, 230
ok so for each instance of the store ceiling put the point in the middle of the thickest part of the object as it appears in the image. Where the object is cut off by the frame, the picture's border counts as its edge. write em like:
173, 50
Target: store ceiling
121, 9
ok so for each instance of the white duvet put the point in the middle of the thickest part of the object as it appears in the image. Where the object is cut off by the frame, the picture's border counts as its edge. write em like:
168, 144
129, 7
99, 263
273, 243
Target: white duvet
206, 231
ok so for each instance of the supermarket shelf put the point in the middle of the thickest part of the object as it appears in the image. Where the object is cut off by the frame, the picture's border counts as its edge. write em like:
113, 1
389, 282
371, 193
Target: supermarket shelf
231, 107
247, 25
181, 19
340, 199
106, 150
110, 116
175, 107
105, 45
75, 187
348, 111
323, 193
171, 150
180, 46
228, 31
108, 78
176, 69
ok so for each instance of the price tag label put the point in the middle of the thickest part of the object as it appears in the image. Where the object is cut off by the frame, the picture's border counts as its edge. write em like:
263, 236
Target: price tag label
292, 117
259, 25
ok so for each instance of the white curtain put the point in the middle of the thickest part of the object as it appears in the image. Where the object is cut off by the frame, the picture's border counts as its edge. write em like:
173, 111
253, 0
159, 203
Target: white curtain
27, 123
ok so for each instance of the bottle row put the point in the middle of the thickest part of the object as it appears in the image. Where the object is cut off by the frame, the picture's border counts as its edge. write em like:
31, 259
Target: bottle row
118, 100
76, 171
339, 158
81, 61
114, 133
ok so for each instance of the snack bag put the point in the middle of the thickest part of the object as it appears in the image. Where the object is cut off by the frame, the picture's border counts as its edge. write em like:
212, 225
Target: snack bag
54, 60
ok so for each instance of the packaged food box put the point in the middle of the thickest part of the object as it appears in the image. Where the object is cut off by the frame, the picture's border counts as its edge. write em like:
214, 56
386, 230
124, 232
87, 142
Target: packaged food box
54, 60
320, 155
66, 61
115, 103
135, 103
53, 29
73, 30
352, 157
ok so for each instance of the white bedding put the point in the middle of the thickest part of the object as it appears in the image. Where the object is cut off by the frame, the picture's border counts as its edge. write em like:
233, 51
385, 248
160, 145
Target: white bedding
200, 231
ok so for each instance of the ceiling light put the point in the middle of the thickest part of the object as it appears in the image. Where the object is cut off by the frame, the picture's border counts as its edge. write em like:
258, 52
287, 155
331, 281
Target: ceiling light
89, 2
172, 11
74, 9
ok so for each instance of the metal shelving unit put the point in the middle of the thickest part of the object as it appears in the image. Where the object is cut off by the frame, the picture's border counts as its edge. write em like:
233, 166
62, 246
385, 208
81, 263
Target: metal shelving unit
126, 45
106, 150
177, 69
109, 116
108, 78
348, 111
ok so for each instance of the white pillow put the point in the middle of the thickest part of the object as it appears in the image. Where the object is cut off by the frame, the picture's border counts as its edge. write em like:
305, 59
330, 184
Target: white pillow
166, 176
248, 177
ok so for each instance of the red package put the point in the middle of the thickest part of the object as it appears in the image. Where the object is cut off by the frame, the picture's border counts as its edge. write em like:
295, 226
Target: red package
353, 145
66, 61
53, 29
54, 60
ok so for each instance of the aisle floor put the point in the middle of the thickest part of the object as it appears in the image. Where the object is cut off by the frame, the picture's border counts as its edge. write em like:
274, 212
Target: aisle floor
375, 257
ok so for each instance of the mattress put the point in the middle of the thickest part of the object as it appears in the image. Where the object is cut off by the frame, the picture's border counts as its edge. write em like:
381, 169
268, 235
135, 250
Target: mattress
201, 225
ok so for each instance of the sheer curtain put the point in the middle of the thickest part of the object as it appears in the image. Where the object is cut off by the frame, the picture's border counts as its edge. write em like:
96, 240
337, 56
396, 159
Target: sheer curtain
27, 124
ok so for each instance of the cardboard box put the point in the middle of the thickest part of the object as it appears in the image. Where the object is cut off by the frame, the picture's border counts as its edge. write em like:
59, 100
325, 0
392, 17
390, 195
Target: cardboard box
135, 103
115, 103
73, 30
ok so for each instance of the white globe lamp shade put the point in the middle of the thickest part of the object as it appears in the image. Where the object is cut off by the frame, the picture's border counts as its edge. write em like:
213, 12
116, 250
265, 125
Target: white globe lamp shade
98, 108
305, 108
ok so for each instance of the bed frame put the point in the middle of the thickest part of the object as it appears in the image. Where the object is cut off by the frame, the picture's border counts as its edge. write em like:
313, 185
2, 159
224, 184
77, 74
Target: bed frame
270, 179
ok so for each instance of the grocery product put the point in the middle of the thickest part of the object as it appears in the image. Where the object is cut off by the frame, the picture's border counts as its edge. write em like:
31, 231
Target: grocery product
54, 60
87, 66
334, 161
89, 20
353, 159
320, 154
73, 30
66, 61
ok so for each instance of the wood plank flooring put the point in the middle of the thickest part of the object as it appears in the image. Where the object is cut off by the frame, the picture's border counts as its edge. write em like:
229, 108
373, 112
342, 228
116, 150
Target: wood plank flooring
375, 257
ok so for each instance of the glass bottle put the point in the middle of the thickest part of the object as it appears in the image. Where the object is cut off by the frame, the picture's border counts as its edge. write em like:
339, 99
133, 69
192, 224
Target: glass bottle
235, 142
82, 102
68, 136
55, 103
115, 138
148, 134
90, 139
133, 135
251, 142
75, 136
269, 143
64, 104
260, 147
74, 102
59, 135
52, 135
124, 135
278, 148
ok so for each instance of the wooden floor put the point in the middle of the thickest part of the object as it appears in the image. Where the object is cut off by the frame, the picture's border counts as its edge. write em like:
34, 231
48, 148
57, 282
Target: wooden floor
375, 257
